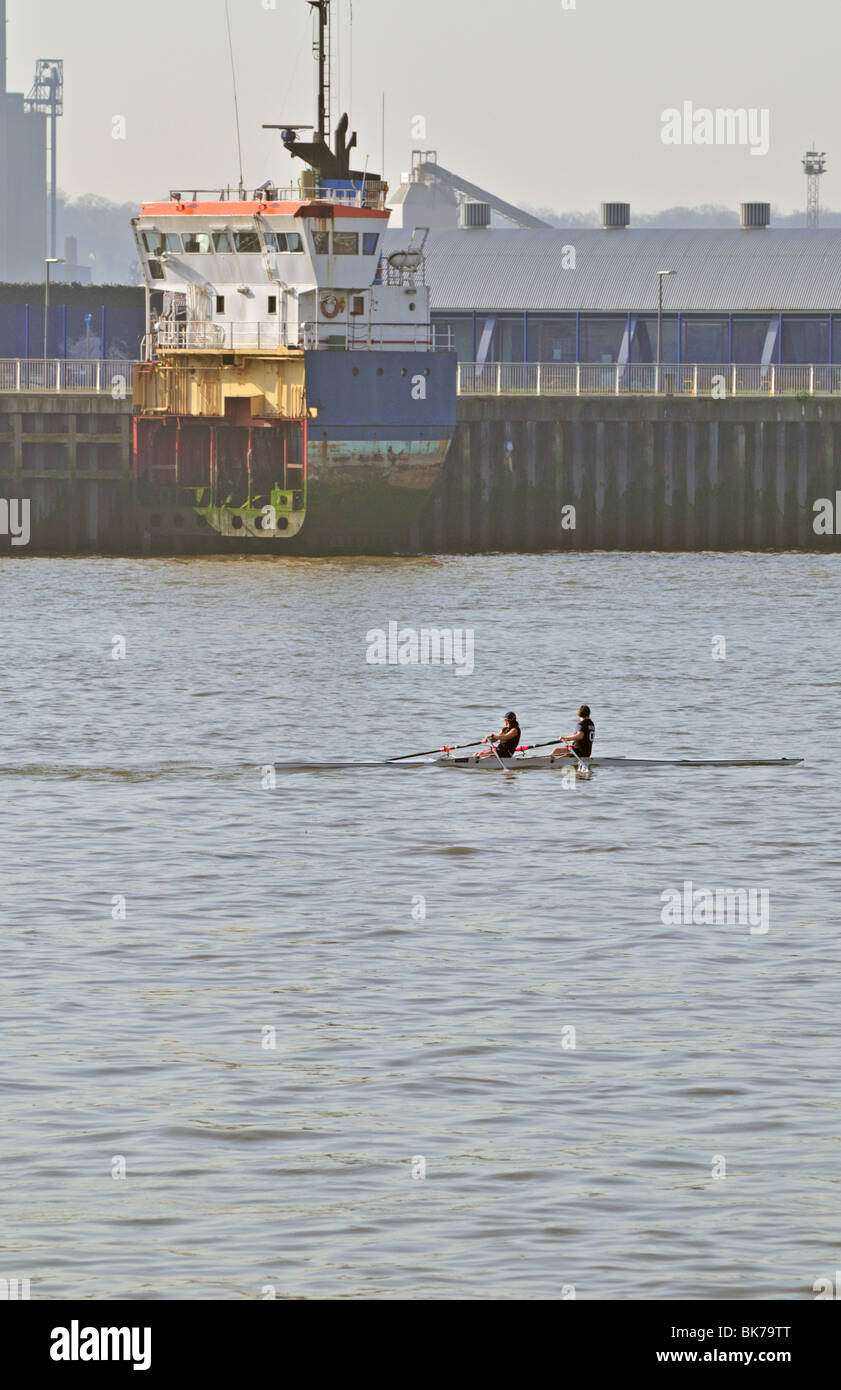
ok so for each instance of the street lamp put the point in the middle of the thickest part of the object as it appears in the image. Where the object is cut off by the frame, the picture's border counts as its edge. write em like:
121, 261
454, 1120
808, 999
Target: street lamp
660, 275
48, 261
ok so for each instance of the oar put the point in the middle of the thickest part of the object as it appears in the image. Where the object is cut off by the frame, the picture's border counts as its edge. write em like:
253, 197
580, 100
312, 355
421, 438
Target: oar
499, 759
427, 753
583, 763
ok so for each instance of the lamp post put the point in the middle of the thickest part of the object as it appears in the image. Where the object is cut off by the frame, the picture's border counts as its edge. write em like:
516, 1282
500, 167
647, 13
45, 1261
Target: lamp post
660, 275
48, 261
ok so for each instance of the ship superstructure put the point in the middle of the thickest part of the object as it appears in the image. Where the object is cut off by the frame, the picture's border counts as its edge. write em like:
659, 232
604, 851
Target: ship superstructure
287, 364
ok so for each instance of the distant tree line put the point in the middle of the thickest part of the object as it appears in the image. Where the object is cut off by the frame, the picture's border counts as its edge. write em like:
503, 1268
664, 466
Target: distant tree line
103, 232
706, 215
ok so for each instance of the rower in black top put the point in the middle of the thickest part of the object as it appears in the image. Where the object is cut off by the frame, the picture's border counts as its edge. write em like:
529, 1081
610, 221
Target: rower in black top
580, 744
507, 740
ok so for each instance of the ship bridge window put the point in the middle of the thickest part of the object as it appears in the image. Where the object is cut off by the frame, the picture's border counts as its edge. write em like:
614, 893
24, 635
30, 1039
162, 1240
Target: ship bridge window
321, 243
346, 243
247, 241
284, 241
156, 270
222, 241
158, 242
196, 243
370, 242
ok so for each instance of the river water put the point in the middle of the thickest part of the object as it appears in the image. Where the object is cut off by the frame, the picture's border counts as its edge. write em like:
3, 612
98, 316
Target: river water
390, 1032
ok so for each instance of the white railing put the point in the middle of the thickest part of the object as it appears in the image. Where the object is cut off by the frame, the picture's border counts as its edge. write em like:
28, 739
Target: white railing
269, 334
638, 378
65, 374
360, 335
259, 335
371, 194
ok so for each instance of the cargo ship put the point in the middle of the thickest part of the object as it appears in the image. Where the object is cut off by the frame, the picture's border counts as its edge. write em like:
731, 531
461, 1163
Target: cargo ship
288, 396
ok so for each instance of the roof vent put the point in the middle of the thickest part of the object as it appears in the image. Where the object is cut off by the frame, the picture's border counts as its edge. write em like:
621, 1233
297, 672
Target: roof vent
616, 214
475, 214
755, 214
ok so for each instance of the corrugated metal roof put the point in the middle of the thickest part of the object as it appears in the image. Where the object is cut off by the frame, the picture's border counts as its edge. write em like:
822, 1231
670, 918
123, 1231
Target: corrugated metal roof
726, 270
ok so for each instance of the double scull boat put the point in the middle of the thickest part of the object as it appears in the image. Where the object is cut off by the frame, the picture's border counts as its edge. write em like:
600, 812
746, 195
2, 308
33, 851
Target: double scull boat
522, 761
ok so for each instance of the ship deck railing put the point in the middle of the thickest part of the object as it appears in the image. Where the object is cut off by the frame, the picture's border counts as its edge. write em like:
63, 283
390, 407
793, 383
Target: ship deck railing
97, 376
718, 381
372, 195
268, 335
365, 336
263, 335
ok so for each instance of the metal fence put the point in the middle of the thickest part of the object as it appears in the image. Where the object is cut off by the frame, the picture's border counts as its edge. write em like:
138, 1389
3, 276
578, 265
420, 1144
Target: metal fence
365, 193
474, 379
65, 374
266, 335
233, 336
360, 334
636, 378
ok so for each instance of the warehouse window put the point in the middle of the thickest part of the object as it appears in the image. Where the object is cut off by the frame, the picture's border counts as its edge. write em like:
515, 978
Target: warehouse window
751, 340
551, 340
509, 338
706, 340
644, 338
601, 338
805, 340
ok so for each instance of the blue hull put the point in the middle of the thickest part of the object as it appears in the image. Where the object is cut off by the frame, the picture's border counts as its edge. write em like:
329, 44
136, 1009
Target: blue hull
377, 441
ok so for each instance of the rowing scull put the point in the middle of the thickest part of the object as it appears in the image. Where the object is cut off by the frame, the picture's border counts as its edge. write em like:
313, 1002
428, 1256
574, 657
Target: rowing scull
523, 762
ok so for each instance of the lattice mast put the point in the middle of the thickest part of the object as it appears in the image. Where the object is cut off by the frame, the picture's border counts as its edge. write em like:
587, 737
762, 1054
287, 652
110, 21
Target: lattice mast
814, 164
47, 97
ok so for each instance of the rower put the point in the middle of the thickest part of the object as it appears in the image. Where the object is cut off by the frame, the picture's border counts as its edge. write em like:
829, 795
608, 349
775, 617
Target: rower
579, 744
506, 740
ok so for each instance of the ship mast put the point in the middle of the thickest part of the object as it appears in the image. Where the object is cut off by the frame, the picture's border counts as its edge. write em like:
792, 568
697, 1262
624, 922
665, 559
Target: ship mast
322, 52
328, 163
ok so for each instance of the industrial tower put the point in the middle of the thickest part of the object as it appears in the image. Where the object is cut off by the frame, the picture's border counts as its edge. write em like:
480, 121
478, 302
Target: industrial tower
47, 99
814, 164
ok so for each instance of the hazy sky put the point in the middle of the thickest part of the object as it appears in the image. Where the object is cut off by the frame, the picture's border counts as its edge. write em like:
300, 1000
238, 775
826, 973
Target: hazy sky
546, 105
